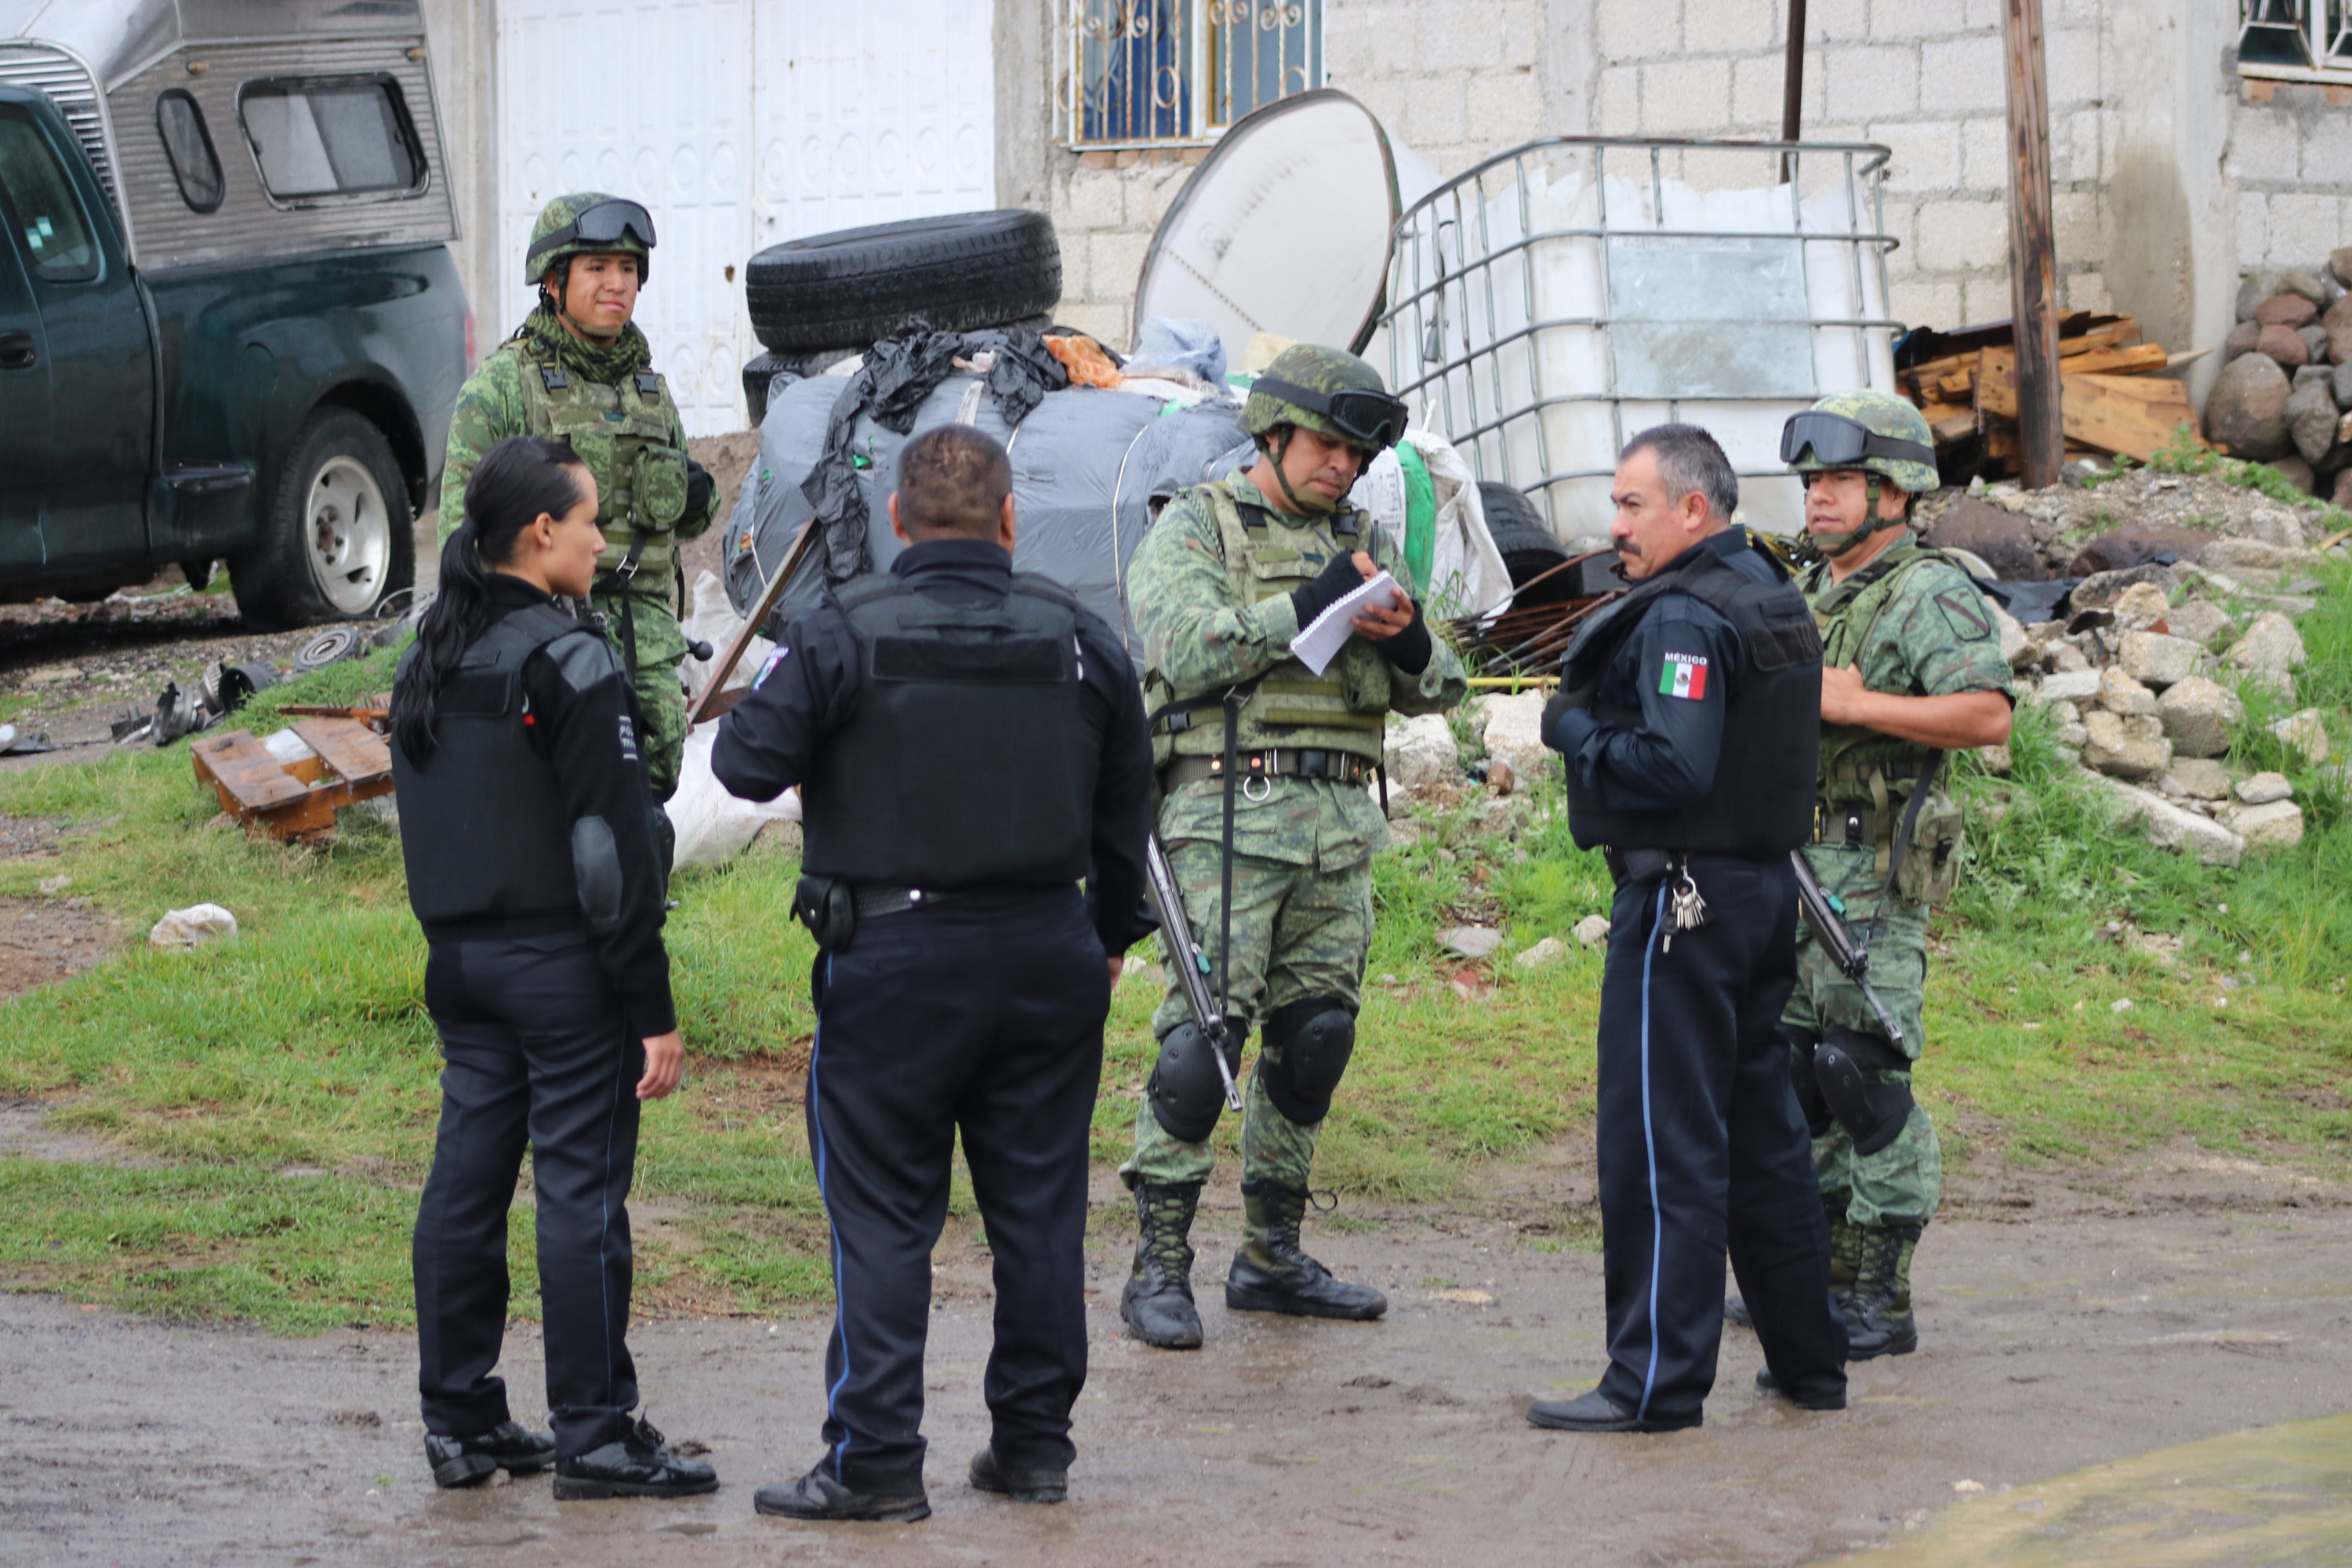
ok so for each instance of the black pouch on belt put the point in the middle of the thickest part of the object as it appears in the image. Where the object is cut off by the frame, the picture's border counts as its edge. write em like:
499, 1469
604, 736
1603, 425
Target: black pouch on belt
828, 907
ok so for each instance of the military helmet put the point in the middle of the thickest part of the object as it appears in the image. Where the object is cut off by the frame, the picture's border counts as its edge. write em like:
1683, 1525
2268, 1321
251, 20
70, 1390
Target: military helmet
1328, 391
1874, 431
588, 223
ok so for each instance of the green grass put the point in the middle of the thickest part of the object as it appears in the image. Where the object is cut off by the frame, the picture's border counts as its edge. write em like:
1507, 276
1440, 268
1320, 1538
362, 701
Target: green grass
280, 1093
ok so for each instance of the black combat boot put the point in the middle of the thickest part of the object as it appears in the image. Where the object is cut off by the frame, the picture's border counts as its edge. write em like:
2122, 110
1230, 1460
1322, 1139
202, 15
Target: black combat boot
1878, 1319
1158, 1300
1271, 1274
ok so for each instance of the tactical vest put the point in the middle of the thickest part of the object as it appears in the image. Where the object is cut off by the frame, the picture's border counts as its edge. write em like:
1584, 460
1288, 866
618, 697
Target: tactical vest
1761, 801
622, 432
1342, 709
483, 829
1855, 759
968, 761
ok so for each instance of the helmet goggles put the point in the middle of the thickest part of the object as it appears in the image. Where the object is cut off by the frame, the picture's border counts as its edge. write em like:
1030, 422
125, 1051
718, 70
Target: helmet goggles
604, 224
1373, 419
1838, 442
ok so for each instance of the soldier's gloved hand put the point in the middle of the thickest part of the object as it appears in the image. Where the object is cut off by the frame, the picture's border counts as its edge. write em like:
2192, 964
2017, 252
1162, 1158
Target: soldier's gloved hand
1339, 580
1409, 649
699, 488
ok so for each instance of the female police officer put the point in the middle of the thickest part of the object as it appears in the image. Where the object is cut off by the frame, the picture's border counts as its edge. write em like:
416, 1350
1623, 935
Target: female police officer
527, 826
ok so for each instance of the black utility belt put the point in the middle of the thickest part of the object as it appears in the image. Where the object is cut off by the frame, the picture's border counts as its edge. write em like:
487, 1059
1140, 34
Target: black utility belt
833, 909
1285, 762
1855, 825
1639, 865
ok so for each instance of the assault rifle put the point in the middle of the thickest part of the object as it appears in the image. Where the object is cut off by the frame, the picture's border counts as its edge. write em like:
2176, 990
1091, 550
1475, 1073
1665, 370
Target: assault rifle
1852, 958
1192, 964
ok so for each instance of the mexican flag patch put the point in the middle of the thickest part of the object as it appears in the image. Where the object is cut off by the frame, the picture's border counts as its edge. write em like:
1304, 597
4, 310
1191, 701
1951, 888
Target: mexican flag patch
1685, 675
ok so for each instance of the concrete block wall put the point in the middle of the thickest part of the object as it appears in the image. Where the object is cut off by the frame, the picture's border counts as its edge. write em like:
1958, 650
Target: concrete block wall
1455, 81
2290, 161
1924, 78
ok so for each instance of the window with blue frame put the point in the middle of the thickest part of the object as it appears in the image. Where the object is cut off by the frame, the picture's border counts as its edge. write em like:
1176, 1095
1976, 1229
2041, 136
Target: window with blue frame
1148, 72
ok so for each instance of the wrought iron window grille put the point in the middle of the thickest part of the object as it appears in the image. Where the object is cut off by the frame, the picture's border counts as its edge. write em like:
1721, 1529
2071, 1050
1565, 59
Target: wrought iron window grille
1175, 73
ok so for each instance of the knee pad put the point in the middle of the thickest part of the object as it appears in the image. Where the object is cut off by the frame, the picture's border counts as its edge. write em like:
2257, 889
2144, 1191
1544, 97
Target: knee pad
1315, 1037
1818, 1120
1847, 1066
1186, 1091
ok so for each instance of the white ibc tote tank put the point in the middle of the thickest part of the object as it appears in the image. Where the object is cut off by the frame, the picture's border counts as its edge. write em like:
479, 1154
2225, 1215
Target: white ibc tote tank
1552, 301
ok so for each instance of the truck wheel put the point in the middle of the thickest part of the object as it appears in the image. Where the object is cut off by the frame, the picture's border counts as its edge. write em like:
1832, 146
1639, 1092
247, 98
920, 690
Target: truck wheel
955, 273
340, 536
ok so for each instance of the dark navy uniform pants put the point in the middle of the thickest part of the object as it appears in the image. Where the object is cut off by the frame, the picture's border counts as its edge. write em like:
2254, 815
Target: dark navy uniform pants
980, 1015
1702, 1146
535, 1055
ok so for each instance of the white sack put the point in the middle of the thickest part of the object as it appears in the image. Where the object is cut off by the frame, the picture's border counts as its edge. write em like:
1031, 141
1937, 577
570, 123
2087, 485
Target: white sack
714, 827
714, 621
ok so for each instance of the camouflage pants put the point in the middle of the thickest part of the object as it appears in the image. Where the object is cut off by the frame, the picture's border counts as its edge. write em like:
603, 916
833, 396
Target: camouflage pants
1903, 1180
1297, 932
661, 701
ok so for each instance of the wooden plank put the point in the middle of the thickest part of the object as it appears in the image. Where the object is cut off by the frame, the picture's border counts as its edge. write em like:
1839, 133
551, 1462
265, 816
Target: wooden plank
2113, 334
243, 768
348, 746
2129, 414
1958, 427
2032, 248
2130, 358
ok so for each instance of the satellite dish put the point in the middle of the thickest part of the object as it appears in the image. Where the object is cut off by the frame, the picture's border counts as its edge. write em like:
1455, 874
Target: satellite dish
1286, 226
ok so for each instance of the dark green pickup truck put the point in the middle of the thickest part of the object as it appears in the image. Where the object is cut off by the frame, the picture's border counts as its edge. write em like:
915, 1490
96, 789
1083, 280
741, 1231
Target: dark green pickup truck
230, 327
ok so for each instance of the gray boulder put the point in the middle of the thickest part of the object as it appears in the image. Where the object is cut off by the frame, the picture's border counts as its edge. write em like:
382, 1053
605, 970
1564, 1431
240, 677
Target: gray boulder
2126, 746
2100, 590
2170, 826
2295, 281
2339, 384
2246, 410
2311, 415
2156, 659
2287, 345
2202, 621
2286, 311
2070, 686
2266, 829
2002, 538
2263, 788
2339, 262
2252, 290
2306, 732
1420, 752
2272, 643
2314, 345
2296, 472
2243, 339
2338, 322
1513, 730
2134, 544
2200, 778
2120, 694
2199, 716
2260, 555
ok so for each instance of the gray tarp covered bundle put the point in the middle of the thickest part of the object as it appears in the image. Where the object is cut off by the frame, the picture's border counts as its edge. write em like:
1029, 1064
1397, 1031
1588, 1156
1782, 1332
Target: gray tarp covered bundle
1086, 464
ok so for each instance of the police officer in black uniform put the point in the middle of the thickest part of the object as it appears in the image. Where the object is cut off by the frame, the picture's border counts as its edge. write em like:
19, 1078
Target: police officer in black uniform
1688, 715
969, 743
527, 825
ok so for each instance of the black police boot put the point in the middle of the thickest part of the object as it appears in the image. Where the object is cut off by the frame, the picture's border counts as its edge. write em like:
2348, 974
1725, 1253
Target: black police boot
1878, 1319
1158, 1300
469, 1461
1596, 1412
1271, 1274
818, 1497
1767, 1383
638, 1464
1014, 1481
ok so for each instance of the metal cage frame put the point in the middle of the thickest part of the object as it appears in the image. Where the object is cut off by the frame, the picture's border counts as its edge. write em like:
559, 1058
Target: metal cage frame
1446, 378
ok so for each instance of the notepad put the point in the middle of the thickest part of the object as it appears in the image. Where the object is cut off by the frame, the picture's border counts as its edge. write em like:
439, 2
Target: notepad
1317, 645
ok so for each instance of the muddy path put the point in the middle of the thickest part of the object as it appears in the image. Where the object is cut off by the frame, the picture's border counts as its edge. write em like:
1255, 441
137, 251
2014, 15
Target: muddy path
2066, 1322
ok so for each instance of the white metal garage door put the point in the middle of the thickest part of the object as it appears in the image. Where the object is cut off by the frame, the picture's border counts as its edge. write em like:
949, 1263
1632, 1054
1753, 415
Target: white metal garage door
738, 123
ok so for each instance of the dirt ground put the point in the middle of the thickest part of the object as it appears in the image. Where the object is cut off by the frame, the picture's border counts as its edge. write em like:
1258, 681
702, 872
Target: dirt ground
2067, 1321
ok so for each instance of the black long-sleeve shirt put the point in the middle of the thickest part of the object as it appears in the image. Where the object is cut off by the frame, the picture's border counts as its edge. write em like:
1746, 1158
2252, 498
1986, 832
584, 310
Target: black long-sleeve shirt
584, 720
808, 691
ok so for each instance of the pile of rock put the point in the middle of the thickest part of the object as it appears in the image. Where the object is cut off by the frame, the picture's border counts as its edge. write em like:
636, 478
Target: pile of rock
2284, 394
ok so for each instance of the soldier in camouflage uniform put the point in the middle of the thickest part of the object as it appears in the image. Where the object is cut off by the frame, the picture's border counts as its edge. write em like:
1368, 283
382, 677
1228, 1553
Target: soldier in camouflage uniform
578, 367
1220, 586
1911, 667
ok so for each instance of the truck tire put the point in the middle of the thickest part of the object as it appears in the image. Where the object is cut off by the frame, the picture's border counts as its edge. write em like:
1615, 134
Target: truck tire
339, 535
856, 286
1528, 547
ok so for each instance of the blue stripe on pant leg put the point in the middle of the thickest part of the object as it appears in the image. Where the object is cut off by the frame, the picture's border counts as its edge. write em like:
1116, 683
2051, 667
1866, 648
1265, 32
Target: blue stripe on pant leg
1649, 1146
840, 1312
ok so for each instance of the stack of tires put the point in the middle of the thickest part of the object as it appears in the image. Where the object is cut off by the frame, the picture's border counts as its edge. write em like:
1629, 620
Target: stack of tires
815, 301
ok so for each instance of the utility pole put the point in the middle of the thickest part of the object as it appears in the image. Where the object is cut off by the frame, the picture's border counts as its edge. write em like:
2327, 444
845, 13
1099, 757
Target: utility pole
2033, 249
1793, 86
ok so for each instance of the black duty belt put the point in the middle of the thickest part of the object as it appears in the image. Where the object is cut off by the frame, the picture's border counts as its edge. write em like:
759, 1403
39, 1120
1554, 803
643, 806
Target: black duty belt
874, 900
1851, 824
1638, 865
1340, 767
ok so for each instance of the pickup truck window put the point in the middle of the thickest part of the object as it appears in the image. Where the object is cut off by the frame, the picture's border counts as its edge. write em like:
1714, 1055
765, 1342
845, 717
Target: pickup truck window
52, 231
328, 136
188, 142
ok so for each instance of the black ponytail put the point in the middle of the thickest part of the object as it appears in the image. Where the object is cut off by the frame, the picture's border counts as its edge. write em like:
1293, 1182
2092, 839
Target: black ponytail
515, 480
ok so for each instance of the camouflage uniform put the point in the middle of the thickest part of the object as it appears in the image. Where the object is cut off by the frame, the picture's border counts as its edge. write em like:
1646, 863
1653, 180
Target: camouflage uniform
1211, 585
617, 413
1915, 625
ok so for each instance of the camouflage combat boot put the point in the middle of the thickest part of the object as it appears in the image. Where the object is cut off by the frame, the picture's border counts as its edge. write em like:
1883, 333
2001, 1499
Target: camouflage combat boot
1158, 1300
1271, 1274
1878, 1319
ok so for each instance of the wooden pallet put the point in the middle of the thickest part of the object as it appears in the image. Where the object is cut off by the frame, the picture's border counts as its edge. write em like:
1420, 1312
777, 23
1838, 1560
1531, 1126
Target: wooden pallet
298, 801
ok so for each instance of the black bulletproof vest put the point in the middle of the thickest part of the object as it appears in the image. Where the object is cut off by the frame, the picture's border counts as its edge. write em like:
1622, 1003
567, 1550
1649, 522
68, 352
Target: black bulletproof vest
968, 761
482, 826
1762, 800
